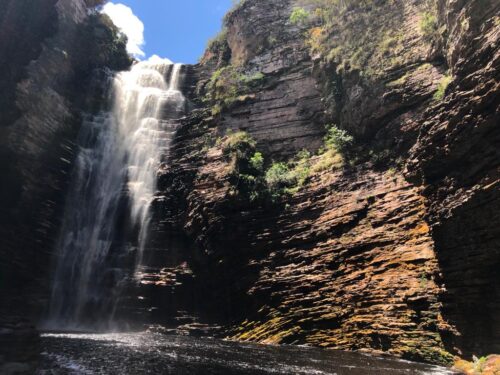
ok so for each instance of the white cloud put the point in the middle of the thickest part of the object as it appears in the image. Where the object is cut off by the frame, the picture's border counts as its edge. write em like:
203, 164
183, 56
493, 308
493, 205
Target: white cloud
123, 17
155, 59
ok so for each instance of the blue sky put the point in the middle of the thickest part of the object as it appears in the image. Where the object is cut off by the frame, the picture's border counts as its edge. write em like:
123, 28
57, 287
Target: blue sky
176, 29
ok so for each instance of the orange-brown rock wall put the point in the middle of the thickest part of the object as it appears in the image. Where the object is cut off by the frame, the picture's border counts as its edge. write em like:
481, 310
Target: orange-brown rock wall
397, 253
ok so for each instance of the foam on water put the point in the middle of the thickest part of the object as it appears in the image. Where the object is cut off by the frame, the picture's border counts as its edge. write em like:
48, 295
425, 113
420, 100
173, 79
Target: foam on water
150, 352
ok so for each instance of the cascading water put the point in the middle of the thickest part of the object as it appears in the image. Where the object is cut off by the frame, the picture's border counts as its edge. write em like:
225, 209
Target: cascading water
113, 186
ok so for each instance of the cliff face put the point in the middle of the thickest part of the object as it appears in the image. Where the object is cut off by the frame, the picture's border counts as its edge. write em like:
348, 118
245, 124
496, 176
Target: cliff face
37, 137
47, 84
456, 159
390, 245
395, 251
53, 87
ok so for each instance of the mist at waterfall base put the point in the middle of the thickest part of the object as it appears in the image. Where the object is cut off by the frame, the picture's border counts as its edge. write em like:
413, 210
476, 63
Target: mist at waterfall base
107, 212
156, 353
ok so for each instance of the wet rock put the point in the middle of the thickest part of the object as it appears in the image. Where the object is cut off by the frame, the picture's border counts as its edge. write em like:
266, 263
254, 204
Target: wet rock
37, 145
19, 347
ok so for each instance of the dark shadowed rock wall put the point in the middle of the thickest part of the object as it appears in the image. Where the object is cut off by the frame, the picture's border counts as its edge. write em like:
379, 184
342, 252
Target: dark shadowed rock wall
47, 85
457, 160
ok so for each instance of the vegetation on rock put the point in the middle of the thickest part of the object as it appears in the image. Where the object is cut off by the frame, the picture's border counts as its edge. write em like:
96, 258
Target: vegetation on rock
218, 41
247, 165
279, 178
338, 139
100, 43
337, 143
479, 366
442, 86
359, 35
288, 178
299, 16
429, 25
229, 85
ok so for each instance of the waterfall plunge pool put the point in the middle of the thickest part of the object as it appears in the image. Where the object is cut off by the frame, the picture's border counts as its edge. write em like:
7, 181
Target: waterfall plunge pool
156, 353
120, 153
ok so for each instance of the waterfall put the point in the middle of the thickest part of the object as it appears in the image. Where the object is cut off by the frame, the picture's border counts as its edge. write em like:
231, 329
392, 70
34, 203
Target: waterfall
112, 188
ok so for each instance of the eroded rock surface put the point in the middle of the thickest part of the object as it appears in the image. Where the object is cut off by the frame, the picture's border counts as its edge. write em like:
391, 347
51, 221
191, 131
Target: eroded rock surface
395, 253
47, 85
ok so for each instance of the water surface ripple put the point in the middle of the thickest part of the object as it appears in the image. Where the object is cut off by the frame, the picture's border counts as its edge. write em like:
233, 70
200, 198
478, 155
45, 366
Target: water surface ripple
155, 353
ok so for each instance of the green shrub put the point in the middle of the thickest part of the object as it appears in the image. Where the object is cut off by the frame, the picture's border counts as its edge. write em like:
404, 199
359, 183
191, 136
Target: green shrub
278, 179
252, 180
216, 42
246, 165
337, 139
442, 86
328, 160
301, 169
337, 145
223, 86
288, 178
239, 142
299, 16
429, 25
229, 85
257, 162
250, 186
278, 176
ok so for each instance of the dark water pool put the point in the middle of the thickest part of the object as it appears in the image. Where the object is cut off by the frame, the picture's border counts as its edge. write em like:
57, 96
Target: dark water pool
155, 353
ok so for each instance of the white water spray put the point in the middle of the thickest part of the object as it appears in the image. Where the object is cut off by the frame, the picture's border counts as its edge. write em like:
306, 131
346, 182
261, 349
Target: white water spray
115, 177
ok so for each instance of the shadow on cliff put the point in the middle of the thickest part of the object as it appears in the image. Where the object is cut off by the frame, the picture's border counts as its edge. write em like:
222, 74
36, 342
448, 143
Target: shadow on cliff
469, 259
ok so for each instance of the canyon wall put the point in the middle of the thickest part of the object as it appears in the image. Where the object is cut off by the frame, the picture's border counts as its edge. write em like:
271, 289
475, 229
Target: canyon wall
395, 251
392, 246
53, 61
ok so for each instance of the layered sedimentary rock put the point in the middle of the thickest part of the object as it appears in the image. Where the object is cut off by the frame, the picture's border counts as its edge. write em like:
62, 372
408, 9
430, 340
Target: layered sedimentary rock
456, 159
396, 252
40, 137
287, 111
52, 91
47, 84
